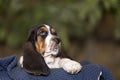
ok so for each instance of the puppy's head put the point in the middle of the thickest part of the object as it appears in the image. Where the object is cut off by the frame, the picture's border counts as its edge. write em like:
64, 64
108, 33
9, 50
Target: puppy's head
42, 41
45, 40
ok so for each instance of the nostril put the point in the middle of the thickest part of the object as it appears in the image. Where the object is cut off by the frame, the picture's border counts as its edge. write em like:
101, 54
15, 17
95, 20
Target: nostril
57, 40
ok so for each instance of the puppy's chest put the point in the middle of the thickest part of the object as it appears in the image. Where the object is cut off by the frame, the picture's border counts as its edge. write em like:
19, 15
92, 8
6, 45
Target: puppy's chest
52, 62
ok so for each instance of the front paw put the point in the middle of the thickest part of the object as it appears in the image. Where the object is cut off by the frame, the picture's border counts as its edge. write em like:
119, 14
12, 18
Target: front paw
71, 66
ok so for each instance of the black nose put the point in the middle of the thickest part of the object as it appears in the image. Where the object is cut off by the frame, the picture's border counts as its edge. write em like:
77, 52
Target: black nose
57, 40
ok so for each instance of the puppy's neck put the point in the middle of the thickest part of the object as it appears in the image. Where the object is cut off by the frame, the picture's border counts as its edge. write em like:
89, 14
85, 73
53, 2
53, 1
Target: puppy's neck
49, 59
52, 61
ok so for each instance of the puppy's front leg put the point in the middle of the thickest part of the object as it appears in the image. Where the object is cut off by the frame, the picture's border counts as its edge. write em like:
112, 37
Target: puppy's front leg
70, 66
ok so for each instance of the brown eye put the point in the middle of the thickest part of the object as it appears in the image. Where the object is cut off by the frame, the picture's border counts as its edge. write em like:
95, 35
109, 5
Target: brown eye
43, 34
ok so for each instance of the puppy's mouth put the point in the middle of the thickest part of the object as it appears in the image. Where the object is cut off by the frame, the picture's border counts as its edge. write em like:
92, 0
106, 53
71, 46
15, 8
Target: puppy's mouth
53, 48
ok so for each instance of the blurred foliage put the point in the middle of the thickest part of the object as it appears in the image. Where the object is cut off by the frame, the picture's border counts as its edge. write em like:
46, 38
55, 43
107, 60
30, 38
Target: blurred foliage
70, 17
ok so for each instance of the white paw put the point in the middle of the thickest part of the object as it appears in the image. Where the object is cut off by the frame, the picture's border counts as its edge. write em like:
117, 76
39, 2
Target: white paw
71, 66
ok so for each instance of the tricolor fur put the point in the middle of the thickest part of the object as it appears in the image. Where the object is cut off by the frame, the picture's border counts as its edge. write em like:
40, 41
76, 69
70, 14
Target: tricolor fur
42, 51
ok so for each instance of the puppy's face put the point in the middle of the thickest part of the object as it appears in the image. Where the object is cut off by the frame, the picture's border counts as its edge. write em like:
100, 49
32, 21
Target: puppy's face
47, 42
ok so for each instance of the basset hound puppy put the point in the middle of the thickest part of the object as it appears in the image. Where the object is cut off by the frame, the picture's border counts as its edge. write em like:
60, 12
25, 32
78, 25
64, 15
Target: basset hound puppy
42, 51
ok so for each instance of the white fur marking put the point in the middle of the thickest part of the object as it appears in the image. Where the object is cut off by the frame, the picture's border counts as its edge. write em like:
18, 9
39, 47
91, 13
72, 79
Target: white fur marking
52, 62
49, 37
70, 66
48, 43
21, 61
48, 27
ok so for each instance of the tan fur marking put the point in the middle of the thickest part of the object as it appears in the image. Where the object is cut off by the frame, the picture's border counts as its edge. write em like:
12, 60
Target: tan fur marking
40, 44
53, 30
42, 29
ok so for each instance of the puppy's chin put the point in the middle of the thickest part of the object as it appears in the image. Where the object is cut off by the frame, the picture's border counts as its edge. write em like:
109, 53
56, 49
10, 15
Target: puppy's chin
53, 52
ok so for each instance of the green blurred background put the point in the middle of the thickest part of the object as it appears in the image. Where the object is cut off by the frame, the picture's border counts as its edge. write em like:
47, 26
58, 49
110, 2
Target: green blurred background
90, 29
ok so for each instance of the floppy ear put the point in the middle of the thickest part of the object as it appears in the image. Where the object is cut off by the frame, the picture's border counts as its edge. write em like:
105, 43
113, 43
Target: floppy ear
32, 36
33, 62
